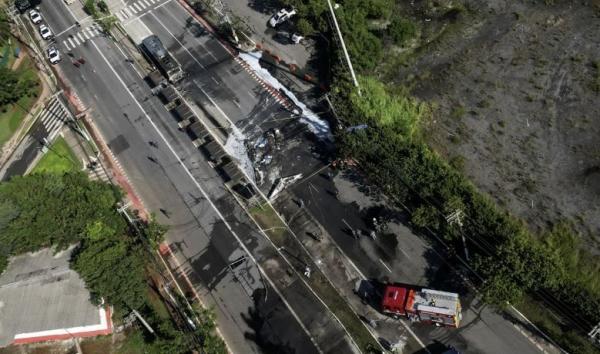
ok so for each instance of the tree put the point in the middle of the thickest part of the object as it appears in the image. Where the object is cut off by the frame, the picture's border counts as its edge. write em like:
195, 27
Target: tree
13, 86
402, 30
112, 268
54, 210
4, 26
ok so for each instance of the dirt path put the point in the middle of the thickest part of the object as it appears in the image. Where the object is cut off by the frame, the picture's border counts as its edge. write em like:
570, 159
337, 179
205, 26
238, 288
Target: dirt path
18, 62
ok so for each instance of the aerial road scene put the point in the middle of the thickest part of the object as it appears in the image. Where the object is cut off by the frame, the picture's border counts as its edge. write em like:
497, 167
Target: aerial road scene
299, 176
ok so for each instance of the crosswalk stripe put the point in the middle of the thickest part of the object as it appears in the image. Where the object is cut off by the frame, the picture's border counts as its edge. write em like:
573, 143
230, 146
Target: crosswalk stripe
126, 10
135, 4
95, 32
120, 16
141, 4
66, 45
132, 9
86, 35
81, 37
153, 1
71, 43
146, 2
54, 126
44, 117
76, 40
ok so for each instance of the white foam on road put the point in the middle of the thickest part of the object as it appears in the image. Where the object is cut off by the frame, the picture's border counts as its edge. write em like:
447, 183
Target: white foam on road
236, 148
318, 126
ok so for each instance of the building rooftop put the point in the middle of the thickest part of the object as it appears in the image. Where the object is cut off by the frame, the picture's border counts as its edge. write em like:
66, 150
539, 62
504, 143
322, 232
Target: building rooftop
42, 299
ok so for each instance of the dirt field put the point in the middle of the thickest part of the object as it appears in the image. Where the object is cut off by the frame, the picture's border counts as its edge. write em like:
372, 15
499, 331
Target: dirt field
516, 84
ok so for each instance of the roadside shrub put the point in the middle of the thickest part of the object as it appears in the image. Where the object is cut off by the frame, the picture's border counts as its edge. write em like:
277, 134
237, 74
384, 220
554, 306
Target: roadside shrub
399, 112
90, 8
102, 6
402, 30
304, 27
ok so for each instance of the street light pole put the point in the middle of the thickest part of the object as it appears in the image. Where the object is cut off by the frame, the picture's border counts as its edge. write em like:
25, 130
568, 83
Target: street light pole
337, 28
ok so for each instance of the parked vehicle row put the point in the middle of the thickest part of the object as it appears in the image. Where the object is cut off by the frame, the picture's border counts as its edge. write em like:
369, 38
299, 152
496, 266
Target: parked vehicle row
46, 33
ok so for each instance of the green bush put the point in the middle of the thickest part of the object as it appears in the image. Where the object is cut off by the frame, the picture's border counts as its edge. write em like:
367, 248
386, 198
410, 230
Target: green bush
304, 27
102, 6
89, 7
403, 114
402, 30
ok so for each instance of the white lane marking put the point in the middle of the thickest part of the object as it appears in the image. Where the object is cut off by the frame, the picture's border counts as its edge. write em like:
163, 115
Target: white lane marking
163, 4
70, 12
76, 40
137, 7
237, 104
66, 45
404, 253
385, 265
251, 94
177, 40
196, 39
132, 9
65, 30
215, 80
81, 37
206, 197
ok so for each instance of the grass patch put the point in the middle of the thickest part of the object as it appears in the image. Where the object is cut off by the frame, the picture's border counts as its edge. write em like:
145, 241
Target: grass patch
11, 116
59, 159
8, 53
268, 220
566, 337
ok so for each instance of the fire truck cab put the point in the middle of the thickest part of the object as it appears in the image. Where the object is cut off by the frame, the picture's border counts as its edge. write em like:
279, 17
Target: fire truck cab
422, 305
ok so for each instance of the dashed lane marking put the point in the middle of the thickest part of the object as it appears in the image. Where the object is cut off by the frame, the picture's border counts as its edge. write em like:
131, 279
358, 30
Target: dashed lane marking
385, 265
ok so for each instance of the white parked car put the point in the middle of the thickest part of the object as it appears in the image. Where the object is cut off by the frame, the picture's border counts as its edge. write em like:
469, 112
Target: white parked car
35, 16
45, 32
53, 55
281, 16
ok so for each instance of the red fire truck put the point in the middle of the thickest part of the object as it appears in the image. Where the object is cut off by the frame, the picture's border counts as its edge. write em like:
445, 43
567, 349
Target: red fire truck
422, 305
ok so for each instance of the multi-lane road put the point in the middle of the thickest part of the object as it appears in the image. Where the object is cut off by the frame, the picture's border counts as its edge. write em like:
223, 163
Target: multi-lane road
214, 243
175, 178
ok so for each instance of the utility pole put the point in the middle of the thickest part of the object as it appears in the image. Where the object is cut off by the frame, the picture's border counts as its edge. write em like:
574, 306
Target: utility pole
339, 33
594, 334
139, 317
456, 218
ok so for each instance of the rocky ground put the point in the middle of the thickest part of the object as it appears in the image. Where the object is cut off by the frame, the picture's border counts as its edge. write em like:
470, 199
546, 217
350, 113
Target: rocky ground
517, 90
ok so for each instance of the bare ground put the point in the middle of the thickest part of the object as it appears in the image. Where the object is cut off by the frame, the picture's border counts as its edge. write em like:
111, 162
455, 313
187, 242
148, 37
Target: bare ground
517, 110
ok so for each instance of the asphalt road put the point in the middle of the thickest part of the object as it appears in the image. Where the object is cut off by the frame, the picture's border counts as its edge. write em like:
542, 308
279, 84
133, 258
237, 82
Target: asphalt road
406, 258
175, 178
